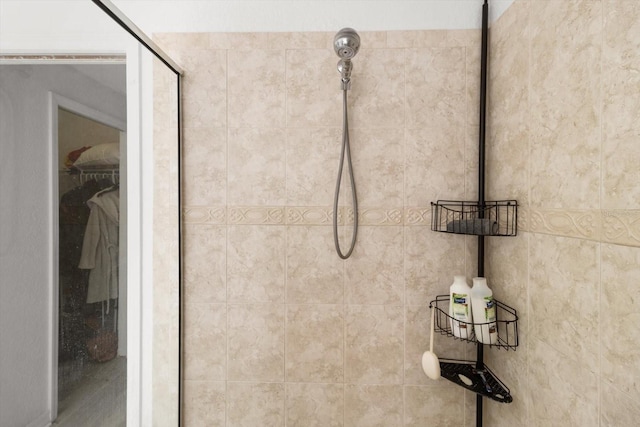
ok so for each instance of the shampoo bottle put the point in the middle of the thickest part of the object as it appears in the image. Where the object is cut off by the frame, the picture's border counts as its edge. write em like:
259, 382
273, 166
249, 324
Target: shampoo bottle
484, 312
460, 307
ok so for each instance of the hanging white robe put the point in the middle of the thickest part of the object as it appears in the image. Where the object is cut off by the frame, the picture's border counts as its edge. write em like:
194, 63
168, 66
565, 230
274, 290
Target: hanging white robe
100, 246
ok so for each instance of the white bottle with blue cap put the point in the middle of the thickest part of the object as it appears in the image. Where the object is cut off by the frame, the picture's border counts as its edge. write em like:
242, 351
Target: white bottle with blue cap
460, 308
484, 312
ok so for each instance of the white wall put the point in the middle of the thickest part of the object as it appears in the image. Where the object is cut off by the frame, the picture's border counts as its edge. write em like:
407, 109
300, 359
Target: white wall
305, 15
34, 26
75, 24
25, 228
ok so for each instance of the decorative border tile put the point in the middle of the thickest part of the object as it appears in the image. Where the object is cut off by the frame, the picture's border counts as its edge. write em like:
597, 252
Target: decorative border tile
204, 215
621, 227
612, 226
256, 215
380, 216
305, 215
418, 216
523, 218
584, 224
310, 215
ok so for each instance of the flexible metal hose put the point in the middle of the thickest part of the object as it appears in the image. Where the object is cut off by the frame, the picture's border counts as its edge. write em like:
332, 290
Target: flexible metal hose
346, 150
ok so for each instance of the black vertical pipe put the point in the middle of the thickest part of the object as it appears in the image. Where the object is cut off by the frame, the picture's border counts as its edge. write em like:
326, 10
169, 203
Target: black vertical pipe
481, 177
483, 106
181, 322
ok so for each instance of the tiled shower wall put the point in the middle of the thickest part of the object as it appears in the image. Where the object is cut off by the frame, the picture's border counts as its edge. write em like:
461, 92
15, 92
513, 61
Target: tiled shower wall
280, 331
565, 140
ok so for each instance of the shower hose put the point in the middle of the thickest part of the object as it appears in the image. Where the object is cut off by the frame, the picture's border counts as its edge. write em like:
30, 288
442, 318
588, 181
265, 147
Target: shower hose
345, 152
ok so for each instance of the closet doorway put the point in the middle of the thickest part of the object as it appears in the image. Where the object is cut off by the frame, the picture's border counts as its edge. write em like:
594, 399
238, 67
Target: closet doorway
91, 300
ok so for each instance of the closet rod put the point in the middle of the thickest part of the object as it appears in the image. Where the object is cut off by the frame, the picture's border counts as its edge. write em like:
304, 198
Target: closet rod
481, 178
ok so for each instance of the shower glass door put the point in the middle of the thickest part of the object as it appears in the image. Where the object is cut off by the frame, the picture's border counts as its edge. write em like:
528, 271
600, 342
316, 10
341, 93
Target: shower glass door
92, 291
60, 326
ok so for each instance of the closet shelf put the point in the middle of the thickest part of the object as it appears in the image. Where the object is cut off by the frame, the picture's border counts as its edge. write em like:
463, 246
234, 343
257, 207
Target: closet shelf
494, 218
506, 322
481, 381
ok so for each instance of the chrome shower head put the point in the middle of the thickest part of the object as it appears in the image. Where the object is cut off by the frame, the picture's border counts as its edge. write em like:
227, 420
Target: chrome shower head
346, 44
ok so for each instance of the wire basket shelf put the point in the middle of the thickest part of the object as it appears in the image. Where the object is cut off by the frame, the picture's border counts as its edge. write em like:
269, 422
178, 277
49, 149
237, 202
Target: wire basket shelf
495, 218
506, 325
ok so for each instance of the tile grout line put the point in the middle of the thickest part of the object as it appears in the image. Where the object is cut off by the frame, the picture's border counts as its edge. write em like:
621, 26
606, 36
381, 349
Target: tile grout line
600, 205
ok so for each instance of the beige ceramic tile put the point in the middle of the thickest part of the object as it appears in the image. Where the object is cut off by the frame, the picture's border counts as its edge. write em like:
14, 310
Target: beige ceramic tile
564, 173
376, 98
470, 401
257, 92
205, 166
204, 403
165, 97
373, 405
621, 60
375, 271
166, 284
434, 165
443, 149
257, 167
564, 285
435, 87
617, 409
205, 342
314, 97
565, 104
471, 257
433, 38
509, 66
312, 165
315, 274
620, 174
204, 93
165, 266
374, 344
315, 405
238, 41
255, 404
255, 342
297, 40
435, 405
315, 343
472, 85
417, 327
505, 266
620, 316
431, 261
378, 166
255, 263
471, 164
165, 371
372, 40
565, 391
507, 161
205, 263
511, 368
